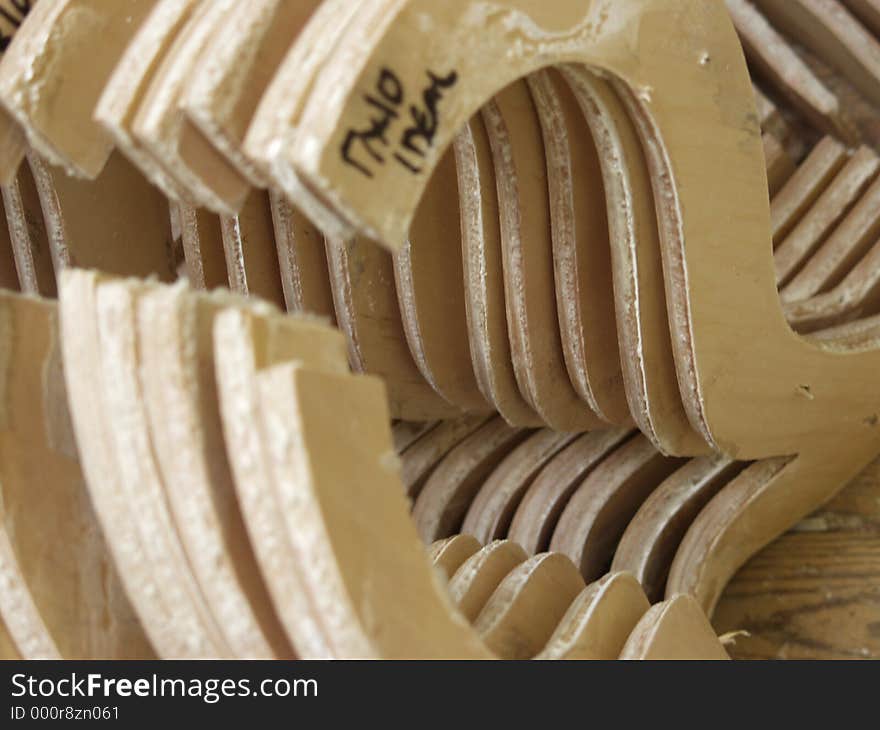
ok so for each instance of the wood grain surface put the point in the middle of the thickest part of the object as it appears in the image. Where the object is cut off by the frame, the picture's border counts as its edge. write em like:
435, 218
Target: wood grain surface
815, 592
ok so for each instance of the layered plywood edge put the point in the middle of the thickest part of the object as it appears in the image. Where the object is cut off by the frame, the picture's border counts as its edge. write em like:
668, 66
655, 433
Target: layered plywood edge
509, 252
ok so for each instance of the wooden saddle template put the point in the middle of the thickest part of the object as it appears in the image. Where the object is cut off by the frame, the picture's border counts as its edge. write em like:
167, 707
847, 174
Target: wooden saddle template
771, 376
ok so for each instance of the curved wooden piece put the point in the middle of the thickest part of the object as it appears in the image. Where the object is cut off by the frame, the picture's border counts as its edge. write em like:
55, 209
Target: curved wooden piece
355, 592
277, 116
11, 277
649, 374
61, 595
858, 295
430, 291
174, 629
12, 140
489, 515
117, 223
27, 231
805, 186
129, 83
443, 502
419, 461
302, 260
175, 340
238, 65
775, 59
65, 52
524, 610
121, 396
203, 250
780, 166
251, 255
651, 538
365, 300
476, 580
868, 11
449, 554
407, 433
162, 127
837, 255
581, 250
847, 187
598, 512
247, 340
599, 621
484, 276
676, 629
514, 128
540, 508
757, 506
835, 36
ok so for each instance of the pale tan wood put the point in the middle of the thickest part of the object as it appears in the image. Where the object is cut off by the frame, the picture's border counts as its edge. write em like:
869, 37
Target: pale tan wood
484, 277
407, 433
599, 621
540, 508
442, 503
804, 187
174, 624
419, 461
779, 165
490, 513
8, 649
513, 124
868, 11
522, 613
65, 52
842, 249
203, 249
129, 83
302, 260
121, 395
12, 139
778, 63
830, 31
832, 205
175, 343
251, 256
70, 601
649, 374
27, 230
277, 116
770, 117
117, 223
161, 126
652, 536
430, 292
581, 250
476, 580
858, 295
236, 68
365, 300
676, 629
247, 341
10, 276
355, 593
755, 507
452, 552
599, 510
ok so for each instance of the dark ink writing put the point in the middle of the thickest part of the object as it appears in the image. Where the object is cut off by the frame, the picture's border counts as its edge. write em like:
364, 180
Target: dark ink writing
367, 146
